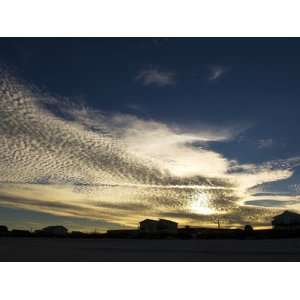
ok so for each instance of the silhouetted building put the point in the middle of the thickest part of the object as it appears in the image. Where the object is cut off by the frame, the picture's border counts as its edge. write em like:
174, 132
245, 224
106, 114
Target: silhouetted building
160, 226
148, 226
3, 229
167, 226
288, 220
55, 230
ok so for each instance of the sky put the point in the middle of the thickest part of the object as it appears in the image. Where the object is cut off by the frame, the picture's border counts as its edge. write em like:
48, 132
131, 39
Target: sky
101, 133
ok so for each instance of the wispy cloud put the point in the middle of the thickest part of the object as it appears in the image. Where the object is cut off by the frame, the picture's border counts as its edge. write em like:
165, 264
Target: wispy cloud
136, 107
265, 143
216, 72
154, 76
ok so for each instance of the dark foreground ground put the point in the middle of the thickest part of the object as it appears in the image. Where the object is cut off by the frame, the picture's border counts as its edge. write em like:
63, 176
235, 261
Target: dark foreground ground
56, 249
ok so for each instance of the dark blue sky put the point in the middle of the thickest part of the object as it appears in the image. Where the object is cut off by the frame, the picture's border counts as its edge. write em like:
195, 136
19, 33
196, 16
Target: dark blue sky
260, 84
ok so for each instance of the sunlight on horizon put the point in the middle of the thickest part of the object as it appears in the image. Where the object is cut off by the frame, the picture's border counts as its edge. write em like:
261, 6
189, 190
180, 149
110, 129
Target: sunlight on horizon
201, 204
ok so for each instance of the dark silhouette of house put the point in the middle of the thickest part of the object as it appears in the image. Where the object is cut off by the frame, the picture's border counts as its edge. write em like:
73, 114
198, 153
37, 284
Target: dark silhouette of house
167, 226
288, 220
59, 231
148, 226
160, 226
3, 229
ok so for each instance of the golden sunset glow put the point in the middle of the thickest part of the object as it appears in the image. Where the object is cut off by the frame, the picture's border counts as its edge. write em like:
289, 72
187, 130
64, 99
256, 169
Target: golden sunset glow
201, 205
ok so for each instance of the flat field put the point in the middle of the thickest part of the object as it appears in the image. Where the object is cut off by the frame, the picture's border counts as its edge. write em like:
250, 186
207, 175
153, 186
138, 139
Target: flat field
56, 249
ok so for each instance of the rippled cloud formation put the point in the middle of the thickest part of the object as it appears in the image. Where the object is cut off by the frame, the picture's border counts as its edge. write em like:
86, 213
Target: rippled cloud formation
70, 160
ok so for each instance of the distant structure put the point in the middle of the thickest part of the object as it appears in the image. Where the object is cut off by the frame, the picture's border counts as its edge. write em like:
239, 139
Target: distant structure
288, 220
54, 230
160, 226
148, 226
3, 229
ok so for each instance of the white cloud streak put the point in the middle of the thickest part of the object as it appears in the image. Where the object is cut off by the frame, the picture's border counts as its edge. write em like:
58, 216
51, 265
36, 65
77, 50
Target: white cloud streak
216, 72
265, 143
156, 77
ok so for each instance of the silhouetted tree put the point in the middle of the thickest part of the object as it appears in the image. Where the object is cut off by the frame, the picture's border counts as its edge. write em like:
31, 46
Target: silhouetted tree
248, 228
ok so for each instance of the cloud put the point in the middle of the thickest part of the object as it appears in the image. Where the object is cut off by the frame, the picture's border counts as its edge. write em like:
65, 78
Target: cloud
170, 148
70, 160
135, 107
273, 200
265, 143
251, 175
215, 72
156, 77
272, 203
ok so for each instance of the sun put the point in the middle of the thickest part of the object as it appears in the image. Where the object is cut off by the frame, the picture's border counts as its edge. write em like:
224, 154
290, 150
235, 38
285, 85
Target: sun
201, 204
